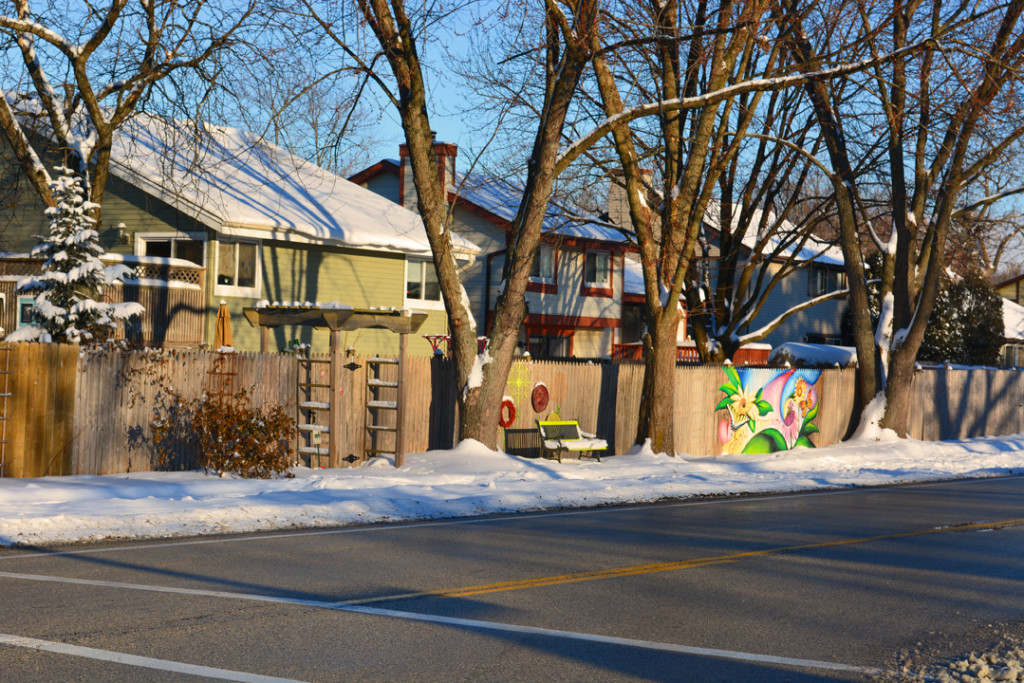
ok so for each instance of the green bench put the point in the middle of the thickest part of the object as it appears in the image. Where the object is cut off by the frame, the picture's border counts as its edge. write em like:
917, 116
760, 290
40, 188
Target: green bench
565, 436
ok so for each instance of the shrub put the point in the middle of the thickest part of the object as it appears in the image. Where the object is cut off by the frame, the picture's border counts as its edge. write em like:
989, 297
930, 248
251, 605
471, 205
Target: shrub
226, 434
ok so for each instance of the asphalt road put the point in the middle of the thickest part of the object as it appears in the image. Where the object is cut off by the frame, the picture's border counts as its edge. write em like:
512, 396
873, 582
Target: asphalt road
822, 586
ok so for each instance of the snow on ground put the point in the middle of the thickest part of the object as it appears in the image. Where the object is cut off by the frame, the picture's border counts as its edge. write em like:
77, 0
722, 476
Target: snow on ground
468, 480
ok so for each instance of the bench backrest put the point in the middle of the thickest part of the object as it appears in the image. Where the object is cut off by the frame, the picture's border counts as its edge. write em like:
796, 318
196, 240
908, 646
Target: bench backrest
559, 429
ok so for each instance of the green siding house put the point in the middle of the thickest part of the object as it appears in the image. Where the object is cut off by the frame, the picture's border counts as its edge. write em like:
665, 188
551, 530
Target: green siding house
227, 217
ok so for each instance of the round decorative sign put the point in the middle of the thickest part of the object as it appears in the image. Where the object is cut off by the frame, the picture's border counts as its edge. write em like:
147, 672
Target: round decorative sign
540, 398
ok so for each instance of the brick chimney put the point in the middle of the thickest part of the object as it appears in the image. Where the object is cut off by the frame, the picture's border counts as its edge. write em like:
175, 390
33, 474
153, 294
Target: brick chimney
618, 201
445, 153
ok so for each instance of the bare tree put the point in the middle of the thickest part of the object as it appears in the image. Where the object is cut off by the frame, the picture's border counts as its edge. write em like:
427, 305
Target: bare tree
667, 52
561, 52
86, 70
939, 117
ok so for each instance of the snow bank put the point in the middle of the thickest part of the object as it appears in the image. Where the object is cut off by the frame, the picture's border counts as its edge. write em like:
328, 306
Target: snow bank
467, 480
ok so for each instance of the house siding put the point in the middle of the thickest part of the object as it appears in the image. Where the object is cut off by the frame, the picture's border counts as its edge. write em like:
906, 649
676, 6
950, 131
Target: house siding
387, 186
351, 277
825, 318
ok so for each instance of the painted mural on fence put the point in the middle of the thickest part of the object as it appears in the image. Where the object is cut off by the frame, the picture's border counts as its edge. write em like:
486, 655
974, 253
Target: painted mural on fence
769, 410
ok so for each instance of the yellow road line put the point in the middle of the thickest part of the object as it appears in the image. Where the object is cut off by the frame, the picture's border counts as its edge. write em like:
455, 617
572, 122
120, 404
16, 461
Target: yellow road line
656, 567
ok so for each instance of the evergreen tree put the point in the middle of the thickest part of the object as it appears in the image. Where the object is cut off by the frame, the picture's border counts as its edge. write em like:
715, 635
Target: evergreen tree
966, 324
66, 307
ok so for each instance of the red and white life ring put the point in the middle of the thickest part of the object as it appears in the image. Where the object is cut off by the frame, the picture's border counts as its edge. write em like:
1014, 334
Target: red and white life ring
507, 405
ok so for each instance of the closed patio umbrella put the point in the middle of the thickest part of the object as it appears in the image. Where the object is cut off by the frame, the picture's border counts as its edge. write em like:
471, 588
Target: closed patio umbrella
222, 337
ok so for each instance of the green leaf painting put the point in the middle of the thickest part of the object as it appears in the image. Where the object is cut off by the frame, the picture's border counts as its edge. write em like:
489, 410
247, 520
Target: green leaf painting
767, 410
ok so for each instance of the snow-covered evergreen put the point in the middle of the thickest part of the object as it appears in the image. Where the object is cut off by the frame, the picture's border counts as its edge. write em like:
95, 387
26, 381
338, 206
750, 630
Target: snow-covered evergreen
68, 306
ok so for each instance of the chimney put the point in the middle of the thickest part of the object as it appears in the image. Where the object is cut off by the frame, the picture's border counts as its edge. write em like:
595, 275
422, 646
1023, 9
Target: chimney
618, 201
445, 153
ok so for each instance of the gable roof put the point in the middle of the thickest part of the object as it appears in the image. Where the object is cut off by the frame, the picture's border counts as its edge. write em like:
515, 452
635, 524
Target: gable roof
820, 252
235, 182
498, 200
502, 199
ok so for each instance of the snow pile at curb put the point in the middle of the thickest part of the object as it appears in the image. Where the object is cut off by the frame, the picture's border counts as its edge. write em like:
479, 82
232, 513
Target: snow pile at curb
467, 480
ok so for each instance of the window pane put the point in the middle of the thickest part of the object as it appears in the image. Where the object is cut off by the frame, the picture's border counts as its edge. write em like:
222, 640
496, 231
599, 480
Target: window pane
597, 267
246, 264
431, 288
414, 280
226, 264
543, 264
156, 248
190, 250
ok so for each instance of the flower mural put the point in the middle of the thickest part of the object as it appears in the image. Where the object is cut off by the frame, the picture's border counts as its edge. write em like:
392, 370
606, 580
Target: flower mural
768, 410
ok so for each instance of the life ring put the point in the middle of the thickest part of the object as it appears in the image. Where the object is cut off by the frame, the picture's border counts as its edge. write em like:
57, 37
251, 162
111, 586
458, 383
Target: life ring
507, 404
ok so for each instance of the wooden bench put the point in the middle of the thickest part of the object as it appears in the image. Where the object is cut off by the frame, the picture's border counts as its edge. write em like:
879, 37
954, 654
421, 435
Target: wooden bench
562, 436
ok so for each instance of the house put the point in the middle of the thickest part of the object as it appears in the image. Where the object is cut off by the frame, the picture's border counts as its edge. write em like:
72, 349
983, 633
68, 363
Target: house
823, 274
1012, 289
227, 217
586, 297
577, 305
1013, 321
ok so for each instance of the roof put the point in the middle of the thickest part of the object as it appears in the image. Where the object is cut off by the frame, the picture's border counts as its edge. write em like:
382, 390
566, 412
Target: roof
236, 182
813, 250
1013, 321
502, 199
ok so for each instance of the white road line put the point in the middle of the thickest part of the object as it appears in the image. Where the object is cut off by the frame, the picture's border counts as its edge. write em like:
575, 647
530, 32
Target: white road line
135, 660
612, 640
455, 621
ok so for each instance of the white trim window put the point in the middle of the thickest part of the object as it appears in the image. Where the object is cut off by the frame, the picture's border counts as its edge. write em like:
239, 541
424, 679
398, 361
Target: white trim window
597, 269
26, 310
238, 268
172, 245
543, 267
825, 280
421, 285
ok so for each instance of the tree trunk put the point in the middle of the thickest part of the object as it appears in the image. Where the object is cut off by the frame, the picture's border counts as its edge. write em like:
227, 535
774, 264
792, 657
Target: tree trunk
898, 391
657, 407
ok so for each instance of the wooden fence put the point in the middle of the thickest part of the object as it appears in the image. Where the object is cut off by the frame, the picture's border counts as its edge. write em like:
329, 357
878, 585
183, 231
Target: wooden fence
39, 380
119, 395
81, 413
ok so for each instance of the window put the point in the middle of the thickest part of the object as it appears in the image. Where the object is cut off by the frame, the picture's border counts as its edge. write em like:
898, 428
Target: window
597, 274
823, 280
26, 315
543, 268
544, 271
421, 281
237, 268
166, 246
545, 346
597, 270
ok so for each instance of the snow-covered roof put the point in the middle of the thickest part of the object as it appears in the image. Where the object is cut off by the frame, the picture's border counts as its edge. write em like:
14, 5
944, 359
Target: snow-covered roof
803, 355
502, 198
813, 249
236, 182
1013, 321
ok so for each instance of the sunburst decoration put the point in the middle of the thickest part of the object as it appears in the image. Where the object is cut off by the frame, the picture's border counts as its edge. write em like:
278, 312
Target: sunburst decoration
519, 381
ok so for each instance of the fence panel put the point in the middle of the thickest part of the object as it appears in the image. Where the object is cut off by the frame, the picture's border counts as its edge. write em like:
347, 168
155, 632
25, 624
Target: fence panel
116, 397
40, 430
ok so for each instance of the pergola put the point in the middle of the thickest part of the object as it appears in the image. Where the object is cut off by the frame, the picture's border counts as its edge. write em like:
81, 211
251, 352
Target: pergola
337, 319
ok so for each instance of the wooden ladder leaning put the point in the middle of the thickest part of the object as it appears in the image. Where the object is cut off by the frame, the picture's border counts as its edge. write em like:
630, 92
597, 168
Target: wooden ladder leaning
313, 398
382, 397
